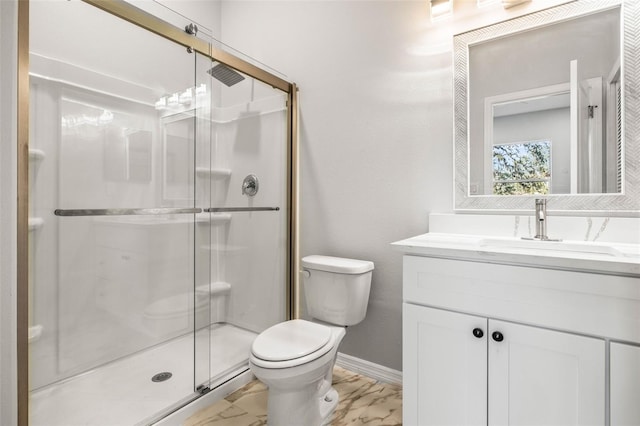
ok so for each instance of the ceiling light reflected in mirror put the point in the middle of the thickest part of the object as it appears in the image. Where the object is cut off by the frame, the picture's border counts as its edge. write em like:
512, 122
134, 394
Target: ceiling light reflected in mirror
440, 9
483, 3
510, 3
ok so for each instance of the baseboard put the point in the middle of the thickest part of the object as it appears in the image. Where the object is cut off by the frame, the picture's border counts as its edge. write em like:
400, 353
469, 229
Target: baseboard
375, 371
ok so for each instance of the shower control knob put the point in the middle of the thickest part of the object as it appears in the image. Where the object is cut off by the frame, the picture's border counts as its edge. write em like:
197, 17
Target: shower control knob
250, 185
477, 332
497, 336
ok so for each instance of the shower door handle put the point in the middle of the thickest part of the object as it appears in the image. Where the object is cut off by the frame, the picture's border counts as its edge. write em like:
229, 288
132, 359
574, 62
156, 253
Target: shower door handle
125, 212
156, 211
240, 209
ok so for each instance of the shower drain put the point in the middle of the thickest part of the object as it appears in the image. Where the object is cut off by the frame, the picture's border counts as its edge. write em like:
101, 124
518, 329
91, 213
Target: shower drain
161, 377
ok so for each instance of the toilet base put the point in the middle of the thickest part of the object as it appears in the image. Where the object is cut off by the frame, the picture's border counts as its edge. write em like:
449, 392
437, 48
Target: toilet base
328, 404
293, 407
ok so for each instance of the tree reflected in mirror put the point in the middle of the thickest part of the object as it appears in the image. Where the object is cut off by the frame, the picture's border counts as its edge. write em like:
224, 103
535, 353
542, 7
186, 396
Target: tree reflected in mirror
522, 168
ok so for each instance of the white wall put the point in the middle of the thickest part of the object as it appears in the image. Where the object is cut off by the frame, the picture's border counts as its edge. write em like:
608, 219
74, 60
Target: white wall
376, 129
8, 150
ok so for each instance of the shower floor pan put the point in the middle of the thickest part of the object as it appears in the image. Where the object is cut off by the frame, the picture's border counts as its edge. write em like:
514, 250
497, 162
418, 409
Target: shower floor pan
122, 392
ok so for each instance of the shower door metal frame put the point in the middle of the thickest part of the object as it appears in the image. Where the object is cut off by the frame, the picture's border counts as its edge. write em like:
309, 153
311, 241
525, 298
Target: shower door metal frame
151, 23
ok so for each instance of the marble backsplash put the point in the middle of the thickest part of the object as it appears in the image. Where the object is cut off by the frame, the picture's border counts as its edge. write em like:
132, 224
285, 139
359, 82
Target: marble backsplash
601, 229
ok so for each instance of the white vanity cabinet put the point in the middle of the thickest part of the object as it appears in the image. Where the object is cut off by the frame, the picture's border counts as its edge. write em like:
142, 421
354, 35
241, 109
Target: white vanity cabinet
492, 344
444, 368
544, 377
457, 366
625, 384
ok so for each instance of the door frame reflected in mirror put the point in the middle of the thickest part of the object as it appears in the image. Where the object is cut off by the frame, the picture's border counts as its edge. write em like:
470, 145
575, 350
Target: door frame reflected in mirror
514, 103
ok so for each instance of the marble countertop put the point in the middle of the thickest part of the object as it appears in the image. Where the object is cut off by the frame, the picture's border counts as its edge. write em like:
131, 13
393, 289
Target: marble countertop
584, 256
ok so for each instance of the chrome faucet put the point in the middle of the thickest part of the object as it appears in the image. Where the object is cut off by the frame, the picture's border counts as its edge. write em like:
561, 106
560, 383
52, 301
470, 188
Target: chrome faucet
541, 219
541, 222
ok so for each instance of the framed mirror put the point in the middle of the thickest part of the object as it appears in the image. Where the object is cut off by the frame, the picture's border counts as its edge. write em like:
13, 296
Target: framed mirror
545, 105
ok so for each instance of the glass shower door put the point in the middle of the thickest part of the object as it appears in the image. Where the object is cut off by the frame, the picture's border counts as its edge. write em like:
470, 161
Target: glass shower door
244, 169
114, 231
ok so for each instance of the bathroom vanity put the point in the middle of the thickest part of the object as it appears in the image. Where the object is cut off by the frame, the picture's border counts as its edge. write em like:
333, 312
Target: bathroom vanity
500, 330
504, 331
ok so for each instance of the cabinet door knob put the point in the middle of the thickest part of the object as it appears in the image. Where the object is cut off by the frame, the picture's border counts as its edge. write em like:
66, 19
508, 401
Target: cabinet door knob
477, 332
497, 336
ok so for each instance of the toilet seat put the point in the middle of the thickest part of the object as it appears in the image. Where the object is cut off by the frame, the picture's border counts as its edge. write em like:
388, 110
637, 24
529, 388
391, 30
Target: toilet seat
291, 343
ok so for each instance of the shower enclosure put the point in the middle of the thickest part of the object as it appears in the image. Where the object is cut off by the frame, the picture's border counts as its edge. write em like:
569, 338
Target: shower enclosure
153, 262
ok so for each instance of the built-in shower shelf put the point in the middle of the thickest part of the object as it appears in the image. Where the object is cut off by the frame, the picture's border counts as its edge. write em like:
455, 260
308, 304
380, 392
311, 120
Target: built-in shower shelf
213, 218
216, 288
36, 154
34, 333
220, 218
213, 173
35, 223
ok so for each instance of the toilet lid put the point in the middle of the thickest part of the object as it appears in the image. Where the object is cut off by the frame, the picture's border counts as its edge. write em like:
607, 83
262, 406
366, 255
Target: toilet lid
290, 340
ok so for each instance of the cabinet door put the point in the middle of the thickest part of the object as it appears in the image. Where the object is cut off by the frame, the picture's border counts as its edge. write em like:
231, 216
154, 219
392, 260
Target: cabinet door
444, 367
542, 377
625, 384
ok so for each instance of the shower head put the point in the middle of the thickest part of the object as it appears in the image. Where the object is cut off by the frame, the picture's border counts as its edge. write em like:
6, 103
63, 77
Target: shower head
225, 75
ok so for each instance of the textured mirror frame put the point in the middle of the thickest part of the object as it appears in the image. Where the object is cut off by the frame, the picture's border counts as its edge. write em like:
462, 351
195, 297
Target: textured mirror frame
625, 203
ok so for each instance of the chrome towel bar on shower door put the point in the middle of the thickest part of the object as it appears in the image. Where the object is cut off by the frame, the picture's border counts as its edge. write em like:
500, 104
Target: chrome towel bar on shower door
126, 212
157, 211
240, 209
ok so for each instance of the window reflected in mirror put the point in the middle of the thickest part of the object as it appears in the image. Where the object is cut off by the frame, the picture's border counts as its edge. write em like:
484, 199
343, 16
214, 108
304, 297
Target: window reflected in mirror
522, 168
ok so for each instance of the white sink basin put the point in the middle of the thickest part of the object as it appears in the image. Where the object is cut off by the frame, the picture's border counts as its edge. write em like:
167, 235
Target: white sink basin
602, 257
583, 247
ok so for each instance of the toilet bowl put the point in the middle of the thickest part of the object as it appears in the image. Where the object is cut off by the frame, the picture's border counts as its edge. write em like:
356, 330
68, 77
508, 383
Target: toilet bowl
174, 314
295, 358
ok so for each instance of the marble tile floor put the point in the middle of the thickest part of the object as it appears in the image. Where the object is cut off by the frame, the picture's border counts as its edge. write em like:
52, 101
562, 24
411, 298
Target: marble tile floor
363, 401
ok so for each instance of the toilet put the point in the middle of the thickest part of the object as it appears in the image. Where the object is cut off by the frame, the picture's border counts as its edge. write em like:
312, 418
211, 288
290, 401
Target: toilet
295, 358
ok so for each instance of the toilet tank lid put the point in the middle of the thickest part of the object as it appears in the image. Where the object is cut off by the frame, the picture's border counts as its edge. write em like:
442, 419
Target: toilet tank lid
340, 265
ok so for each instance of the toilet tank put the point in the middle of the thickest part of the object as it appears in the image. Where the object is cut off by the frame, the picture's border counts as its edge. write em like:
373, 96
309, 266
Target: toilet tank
336, 289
